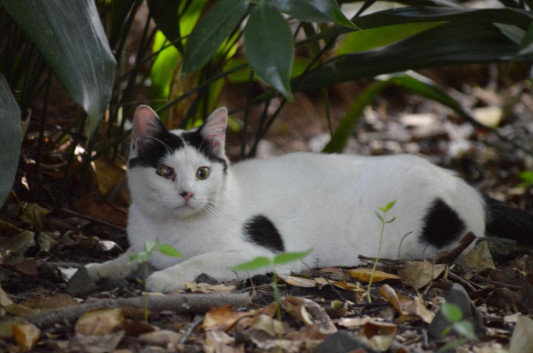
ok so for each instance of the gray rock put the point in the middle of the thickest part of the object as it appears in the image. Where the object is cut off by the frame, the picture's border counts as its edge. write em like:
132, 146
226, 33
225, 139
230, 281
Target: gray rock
342, 342
459, 297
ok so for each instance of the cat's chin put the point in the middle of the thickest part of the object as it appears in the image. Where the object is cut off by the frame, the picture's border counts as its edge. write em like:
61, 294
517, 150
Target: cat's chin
185, 211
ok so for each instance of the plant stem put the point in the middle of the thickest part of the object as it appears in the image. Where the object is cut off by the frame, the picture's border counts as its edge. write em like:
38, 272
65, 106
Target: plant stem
376, 261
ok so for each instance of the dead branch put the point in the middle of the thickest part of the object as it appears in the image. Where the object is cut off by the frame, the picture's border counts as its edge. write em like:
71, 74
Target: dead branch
451, 256
180, 303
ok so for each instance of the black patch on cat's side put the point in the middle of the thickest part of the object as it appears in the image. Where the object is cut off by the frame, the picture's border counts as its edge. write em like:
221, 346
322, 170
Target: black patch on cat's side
442, 225
151, 153
195, 139
261, 231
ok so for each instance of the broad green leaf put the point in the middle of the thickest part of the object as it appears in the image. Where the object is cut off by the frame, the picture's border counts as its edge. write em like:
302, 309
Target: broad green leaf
270, 47
313, 10
514, 33
526, 46
150, 246
72, 40
458, 43
380, 217
255, 264
287, 257
165, 14
210, 32
119, 12
10, 138
458, 15
451, 312
162, 70
169, 250
359, 41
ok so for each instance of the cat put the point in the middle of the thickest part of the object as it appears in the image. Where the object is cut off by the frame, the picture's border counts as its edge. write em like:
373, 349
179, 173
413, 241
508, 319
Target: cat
186, 194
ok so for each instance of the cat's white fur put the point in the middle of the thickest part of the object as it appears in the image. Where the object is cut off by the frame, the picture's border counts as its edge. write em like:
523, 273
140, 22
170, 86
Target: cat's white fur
322, 202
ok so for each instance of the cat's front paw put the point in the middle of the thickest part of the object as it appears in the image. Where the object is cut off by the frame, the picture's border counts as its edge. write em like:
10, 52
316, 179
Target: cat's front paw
160, 281
94, 271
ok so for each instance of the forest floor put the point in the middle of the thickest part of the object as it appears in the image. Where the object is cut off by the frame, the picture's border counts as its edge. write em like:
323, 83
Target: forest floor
43, 309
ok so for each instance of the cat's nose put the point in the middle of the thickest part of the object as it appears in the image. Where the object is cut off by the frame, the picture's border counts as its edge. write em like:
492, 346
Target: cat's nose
186, 195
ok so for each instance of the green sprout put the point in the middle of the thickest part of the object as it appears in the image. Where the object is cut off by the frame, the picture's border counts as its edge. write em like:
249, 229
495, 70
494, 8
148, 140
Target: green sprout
454, 315
266, 262
381, 217
143, 258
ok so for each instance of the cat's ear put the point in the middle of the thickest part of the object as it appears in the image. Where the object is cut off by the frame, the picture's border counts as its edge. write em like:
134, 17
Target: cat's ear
214, 130
146, 125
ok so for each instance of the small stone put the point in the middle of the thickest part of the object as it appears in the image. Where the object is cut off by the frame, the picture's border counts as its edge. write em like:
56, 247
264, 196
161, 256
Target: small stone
81, 284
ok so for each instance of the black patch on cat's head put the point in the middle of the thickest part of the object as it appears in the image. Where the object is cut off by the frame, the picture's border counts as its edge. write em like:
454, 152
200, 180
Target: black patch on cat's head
150, 153
261, 231
196, 140
165, 142
442, 225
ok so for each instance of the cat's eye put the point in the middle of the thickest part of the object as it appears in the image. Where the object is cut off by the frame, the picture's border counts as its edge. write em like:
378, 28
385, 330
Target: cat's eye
166, 172
202, 173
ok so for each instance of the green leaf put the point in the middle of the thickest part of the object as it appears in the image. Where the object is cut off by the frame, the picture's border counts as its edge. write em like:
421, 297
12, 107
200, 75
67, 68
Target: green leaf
287, 257
71, 38
165, 15
169, 250
371, 38
270, 47
210, 32
255, 264
380, 217
465, 329
458, 43
388, 206
313, 11
526, 46
451, 312
150, 246
139, 258
10, 138
527, 177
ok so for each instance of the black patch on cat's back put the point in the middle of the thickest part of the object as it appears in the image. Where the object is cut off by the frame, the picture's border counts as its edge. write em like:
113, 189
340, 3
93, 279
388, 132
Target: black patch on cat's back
261, 231
441, 225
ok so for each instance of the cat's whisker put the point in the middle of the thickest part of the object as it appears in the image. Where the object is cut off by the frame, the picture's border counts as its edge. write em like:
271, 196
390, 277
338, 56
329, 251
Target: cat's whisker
169, 150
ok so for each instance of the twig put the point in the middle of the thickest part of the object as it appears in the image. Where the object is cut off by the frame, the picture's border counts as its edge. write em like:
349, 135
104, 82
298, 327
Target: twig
451, 256
464, 282
180, 303
190, 328
92, 219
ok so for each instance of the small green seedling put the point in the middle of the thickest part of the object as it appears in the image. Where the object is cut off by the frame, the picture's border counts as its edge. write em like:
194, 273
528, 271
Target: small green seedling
453, 314
143, 259
527, 178
264, 262
381, 216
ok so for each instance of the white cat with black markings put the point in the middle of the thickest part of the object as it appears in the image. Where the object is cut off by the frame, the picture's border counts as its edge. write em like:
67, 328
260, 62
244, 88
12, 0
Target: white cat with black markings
186, 194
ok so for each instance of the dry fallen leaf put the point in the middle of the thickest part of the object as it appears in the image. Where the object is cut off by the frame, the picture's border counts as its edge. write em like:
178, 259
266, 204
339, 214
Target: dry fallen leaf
207, 288
33, 214
161, 338
379, 334
418, 274
219, 342
363, 274
9, 227
310, 313
354, 322
416, 308
99, 322
26, 335
298, 281
390, 295
108, 176
221, 318
522, 339
477, 259
4, 298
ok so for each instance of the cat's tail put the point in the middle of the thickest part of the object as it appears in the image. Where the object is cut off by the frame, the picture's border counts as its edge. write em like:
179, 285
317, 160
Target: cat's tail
506, 222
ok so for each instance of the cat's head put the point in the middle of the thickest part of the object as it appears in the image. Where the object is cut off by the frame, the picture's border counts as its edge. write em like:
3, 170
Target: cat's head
176, 173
